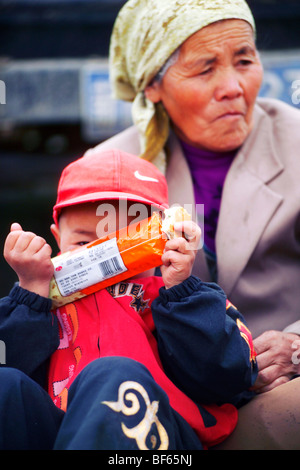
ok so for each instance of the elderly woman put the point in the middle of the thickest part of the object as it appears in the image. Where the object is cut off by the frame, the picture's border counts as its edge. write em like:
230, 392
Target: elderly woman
193, 73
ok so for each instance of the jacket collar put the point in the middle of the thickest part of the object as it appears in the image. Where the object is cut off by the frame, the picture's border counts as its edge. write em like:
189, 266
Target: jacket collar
240, 225
248, 203
258, 153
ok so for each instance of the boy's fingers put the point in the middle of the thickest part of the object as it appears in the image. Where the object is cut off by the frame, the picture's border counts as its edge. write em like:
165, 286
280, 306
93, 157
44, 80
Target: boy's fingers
23, 241
182, 245
36, 244
177, 244
43, 252
189, 230
12, 237
10, 241
46, 250
15, 226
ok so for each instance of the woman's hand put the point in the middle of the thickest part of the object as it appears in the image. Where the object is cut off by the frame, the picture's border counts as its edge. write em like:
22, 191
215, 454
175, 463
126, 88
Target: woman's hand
30, 257
180, 252
277, 359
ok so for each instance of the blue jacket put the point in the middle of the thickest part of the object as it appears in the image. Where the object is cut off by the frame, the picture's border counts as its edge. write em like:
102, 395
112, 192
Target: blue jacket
203, 347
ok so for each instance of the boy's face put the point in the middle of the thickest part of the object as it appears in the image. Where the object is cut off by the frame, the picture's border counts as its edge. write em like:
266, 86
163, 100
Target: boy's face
84, 223
77, 227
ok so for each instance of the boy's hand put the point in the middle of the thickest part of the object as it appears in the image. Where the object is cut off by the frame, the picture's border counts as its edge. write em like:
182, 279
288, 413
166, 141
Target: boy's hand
30, 257
180, 253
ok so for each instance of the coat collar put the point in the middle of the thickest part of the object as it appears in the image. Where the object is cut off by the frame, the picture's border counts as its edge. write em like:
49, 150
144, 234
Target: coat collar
248, 203
240, 224
258, 153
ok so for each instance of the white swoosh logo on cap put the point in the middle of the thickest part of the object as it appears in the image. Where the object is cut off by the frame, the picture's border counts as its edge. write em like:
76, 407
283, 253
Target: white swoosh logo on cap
144, 178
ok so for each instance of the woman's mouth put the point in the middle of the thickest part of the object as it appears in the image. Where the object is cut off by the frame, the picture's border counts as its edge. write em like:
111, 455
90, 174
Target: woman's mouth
231, 115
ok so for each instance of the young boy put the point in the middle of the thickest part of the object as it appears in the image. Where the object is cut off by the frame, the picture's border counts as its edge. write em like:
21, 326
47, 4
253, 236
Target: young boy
154, 362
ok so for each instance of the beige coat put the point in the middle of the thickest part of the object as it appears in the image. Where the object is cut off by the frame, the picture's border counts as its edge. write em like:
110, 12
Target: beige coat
258, 234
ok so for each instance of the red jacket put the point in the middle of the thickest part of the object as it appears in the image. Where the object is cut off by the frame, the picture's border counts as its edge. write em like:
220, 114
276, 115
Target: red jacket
118, 321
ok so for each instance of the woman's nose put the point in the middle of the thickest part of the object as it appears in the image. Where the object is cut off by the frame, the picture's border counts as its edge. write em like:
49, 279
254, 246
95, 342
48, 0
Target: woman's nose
229, 86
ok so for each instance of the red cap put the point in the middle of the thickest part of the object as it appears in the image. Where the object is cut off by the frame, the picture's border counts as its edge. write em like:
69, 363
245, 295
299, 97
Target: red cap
110, 174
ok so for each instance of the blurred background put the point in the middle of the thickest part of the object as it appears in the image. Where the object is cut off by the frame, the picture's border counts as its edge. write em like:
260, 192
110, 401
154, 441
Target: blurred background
55, 98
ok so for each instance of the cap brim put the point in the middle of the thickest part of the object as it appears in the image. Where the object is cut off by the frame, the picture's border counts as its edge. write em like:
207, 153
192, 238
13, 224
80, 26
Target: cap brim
102, 196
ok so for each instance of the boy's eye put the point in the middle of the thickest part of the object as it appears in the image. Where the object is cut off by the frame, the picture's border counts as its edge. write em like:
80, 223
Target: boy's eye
82, 243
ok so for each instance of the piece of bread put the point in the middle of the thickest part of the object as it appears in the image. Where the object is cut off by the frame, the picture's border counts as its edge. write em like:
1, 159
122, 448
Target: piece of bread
171, 216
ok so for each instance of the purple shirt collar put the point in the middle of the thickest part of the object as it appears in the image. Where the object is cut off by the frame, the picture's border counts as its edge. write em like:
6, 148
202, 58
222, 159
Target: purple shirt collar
208, 170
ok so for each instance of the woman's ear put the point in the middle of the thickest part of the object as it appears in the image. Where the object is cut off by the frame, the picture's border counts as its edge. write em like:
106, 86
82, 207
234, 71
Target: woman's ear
55, 232
152, 92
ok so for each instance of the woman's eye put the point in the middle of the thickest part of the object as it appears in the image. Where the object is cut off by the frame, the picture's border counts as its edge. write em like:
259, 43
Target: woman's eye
245, 62
207, 71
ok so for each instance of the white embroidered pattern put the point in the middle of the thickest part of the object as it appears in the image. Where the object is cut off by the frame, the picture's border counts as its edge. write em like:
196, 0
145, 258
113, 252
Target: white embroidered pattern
127, 391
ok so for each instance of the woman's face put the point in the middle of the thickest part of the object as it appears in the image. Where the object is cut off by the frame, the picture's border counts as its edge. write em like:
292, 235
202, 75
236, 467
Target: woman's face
210, 92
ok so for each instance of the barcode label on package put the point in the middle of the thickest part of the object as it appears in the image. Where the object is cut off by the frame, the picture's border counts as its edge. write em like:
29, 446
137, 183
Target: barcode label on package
88, 267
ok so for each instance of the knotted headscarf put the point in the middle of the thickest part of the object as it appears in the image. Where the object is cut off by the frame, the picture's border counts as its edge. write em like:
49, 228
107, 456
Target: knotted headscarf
145, 34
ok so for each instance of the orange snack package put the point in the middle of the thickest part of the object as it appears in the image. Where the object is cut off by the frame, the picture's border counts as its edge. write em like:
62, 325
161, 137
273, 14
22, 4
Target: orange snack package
113, 258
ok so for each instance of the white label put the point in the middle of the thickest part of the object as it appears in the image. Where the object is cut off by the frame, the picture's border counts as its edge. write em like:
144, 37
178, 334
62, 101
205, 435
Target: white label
88, 267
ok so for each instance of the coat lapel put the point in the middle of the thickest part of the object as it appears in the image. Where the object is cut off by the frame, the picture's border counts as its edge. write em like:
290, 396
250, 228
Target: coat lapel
181, 192
241, 224
248, 203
